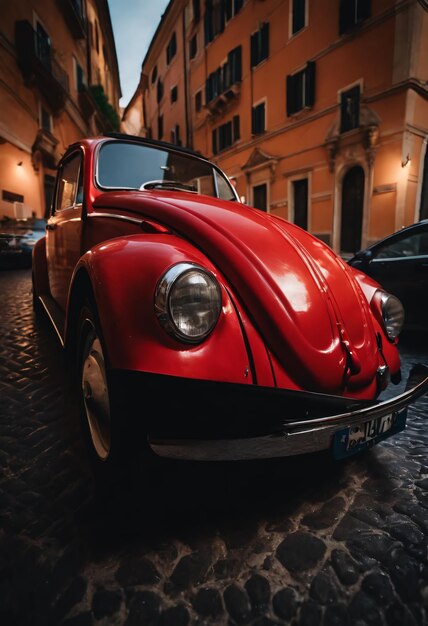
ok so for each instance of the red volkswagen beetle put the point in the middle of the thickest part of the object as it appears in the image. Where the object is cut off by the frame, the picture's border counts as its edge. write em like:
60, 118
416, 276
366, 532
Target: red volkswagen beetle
200, 328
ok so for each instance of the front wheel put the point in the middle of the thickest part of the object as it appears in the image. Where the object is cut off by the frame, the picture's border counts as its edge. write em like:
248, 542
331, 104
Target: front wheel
94, 390
101, 431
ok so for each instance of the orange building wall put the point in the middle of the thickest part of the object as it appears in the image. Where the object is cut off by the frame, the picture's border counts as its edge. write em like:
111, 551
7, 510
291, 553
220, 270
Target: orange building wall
21, 101
386, 56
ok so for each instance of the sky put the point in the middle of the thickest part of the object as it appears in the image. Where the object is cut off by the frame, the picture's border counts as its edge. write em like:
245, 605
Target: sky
134, 24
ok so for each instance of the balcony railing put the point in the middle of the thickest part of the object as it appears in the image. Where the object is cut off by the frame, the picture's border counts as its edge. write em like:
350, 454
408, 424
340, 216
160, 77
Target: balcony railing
38, 66
74, 13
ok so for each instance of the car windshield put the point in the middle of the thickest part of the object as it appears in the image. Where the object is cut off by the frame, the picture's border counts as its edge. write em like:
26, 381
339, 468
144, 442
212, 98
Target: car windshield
126, 165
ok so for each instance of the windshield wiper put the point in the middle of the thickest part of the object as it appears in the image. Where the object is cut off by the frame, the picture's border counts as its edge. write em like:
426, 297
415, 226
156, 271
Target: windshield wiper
167, 184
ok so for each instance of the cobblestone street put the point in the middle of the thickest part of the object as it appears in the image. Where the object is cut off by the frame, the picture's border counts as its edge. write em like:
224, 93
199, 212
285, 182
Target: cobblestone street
304, 541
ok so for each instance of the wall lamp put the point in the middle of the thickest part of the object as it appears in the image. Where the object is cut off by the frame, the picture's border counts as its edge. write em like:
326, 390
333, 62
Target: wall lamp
406, 160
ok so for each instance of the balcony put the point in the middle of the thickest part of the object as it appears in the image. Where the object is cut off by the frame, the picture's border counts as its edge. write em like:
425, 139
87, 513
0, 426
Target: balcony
222, 102
38, 67
44, 150
74, 13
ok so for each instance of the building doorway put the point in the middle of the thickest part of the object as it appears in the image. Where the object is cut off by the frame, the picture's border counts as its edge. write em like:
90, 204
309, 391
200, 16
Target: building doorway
300, 202
260, 197
352, 210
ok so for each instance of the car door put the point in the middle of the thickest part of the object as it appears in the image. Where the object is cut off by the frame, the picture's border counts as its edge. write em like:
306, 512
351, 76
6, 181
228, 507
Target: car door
64, 227
400, 265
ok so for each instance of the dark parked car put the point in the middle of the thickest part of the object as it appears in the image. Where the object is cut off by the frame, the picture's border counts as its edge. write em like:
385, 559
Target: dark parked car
400, 264
17, 240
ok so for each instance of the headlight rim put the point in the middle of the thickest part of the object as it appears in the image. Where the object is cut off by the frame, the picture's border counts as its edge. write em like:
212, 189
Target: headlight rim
385, 296
163, 291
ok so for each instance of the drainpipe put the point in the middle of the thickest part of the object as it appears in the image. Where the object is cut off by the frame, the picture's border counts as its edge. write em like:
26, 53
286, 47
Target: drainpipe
189, 139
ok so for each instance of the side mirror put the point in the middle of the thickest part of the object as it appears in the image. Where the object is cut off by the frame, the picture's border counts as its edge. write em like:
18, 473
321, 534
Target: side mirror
362, 259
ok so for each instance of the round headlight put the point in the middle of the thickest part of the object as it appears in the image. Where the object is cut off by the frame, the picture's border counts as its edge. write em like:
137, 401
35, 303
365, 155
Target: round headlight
188, 302
392, 314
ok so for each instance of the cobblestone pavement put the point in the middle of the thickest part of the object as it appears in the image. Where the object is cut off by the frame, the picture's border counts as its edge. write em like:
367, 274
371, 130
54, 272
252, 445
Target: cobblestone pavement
301, 541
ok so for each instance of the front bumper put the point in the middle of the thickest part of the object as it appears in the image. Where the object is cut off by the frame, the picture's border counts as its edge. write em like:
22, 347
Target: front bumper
210, 421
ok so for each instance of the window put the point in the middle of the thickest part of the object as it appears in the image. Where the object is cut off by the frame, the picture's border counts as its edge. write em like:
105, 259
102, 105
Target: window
258, 119
214, 19
159, 90
174, 94
260, 44
160, 126
300, 202
413, 245
260, 197
353, 12
301, 89
225, 135
80, 76
70, 185
175, 135
9, 196
225, 76
196, 10
350, 109
45, 119
171, 49
193, 46
231, 8
298, 18
198, 101
154, 74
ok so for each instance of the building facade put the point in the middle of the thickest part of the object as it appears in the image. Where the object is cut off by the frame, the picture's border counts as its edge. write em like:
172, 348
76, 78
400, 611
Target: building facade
59, 81
319, 110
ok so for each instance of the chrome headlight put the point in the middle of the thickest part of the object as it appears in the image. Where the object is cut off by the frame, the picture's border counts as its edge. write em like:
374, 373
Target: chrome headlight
392, 314
188, 302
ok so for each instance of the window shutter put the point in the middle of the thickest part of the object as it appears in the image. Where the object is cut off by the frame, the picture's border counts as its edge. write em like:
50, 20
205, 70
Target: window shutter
298, 15
290, 96
310, 84
254, 46
222, 15
208, 20
346, 15
234, 63
238, 5
363, 10
264, 41
215, 147
236, 130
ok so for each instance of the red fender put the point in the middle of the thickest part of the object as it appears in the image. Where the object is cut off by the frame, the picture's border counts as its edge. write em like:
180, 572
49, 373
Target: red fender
133, 336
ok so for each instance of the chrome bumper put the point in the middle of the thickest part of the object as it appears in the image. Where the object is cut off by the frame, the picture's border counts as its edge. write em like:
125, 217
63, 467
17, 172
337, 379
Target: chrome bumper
301, 436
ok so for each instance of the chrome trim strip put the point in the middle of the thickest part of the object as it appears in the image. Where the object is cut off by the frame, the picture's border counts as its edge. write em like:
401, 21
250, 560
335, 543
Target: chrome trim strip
301, 437
377, 410
51, 317
116, 216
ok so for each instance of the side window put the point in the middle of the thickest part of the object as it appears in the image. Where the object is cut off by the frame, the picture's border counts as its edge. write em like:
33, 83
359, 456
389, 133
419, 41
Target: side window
414, 245
70, 184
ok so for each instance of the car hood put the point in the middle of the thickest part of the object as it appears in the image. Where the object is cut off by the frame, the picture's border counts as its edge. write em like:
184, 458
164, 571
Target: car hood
302, 298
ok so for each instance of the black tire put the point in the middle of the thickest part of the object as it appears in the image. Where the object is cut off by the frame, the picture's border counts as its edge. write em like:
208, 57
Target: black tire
103, 438
114, 451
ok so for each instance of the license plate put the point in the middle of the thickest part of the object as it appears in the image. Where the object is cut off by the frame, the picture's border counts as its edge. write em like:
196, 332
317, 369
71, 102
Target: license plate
353, 439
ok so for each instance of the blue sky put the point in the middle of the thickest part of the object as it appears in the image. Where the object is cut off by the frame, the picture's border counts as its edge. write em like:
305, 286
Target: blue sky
134, 24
